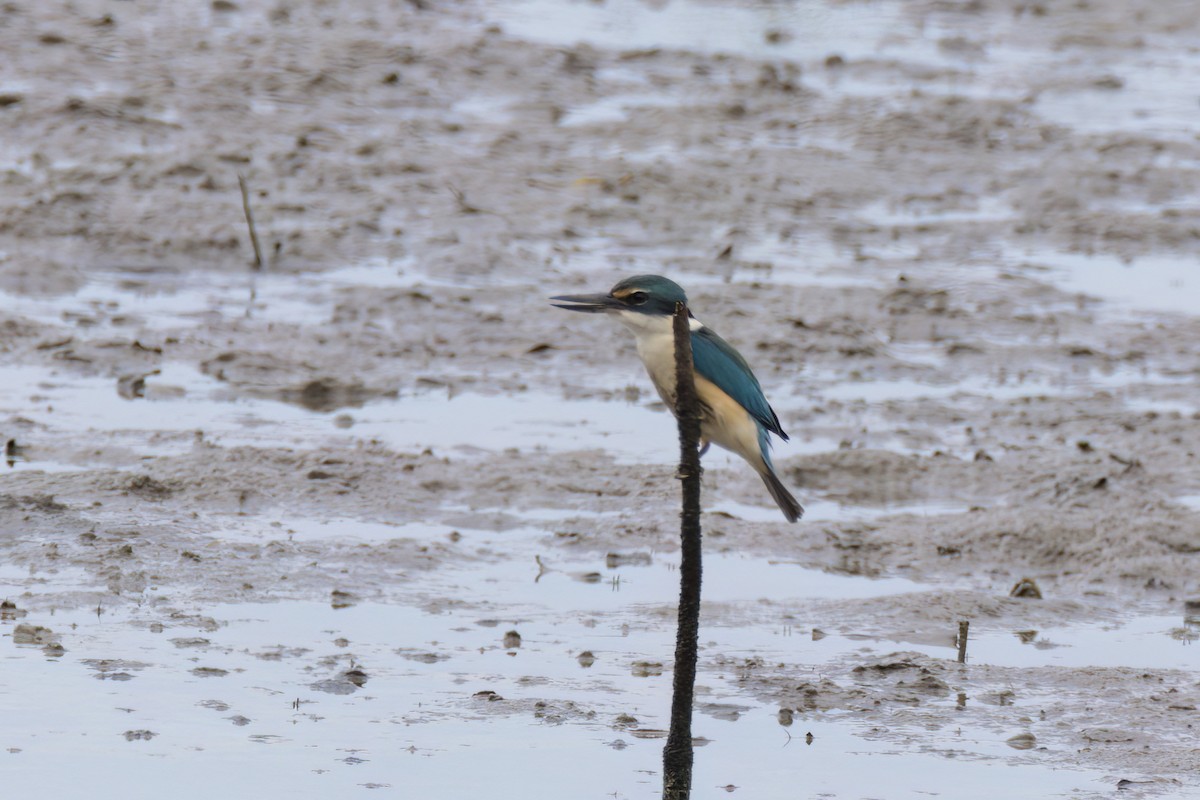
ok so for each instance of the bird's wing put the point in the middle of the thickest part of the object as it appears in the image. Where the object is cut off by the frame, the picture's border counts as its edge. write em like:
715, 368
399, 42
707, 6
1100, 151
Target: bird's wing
716, 360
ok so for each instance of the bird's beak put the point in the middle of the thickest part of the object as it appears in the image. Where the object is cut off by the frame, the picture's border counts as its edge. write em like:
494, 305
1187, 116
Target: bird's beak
590, 303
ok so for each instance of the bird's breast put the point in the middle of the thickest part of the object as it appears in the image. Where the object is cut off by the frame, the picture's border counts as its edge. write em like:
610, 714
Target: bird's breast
657, 351
655, 336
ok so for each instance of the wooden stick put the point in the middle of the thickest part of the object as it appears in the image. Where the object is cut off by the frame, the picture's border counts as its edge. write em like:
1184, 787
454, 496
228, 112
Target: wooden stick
258, 261
963, 627
677, 754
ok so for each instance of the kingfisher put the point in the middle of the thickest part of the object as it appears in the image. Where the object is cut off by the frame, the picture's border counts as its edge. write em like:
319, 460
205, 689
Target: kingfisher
735, 414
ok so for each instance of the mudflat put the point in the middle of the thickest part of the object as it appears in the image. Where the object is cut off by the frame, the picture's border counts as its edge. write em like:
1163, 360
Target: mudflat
376, 516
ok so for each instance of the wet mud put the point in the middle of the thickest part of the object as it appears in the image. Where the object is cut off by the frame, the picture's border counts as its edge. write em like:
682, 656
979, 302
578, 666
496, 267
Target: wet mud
379, 512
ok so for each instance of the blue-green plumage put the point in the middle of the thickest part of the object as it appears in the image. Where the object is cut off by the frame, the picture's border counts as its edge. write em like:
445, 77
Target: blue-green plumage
735, 412
715, 359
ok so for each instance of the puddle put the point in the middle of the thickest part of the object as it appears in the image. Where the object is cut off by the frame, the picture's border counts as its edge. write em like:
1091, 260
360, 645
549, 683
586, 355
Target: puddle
797, 261
819, 510
1146, 642
1155, 95
549, 514
181, 401
1153, 282
526, 570
17, 580
492, 109
178, 402
613, 109
1125, 382
316, 530
987, 209
794, 32
1184, 408
530, 421
1155, 642
168, 300
973, 763
595, 585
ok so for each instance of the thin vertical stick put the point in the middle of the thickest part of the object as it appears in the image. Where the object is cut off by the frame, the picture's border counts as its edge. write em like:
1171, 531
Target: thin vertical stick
258, 262
677, 755
963, 627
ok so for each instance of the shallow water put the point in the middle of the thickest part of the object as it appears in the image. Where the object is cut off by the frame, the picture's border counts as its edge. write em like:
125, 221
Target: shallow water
261, 691
181, 403
801, 31
1147, 283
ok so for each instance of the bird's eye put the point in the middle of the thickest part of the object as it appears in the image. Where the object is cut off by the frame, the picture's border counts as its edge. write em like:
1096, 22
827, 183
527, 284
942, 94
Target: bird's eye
637, 299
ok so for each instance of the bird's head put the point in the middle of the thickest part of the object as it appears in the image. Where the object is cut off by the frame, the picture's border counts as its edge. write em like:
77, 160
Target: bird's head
652, 295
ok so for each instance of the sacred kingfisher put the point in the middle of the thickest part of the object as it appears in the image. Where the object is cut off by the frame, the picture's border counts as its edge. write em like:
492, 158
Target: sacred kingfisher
734, 412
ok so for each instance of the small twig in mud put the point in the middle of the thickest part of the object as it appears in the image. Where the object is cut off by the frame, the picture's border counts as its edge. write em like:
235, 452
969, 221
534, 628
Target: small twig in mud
258, 260
13, 453
464, 205
963, 627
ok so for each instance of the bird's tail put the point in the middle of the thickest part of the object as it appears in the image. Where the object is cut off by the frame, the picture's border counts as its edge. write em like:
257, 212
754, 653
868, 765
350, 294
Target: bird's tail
790, 507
